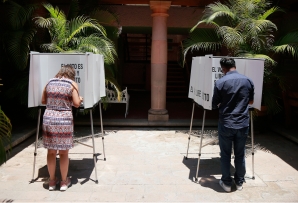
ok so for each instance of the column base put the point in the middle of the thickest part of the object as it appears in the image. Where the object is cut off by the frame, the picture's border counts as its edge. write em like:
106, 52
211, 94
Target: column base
152, 117
158, 115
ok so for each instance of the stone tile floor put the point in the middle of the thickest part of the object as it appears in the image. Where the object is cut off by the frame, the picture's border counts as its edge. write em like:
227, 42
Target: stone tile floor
148, 165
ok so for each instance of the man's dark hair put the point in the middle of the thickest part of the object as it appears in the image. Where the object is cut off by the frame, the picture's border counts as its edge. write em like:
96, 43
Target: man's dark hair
227, 63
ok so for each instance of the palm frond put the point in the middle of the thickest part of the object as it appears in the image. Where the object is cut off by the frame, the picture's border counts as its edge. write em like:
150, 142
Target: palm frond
258, 33
270, 12
100, 45
43, 22
5, 135
19, 15
81, 23
231, 37
217, 10
214, 11
52, 47
212, 24
17, 45
291, 49
287, 44
55, 12
260, 26
59, 27
201, 39
268, 60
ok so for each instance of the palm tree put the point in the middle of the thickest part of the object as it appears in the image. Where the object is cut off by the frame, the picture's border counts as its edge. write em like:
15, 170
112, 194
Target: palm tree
16, 40
79, 34
241, 26
18, 34
243, 29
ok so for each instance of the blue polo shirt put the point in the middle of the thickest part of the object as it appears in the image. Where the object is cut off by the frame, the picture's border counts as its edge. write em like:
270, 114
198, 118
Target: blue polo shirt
233, 92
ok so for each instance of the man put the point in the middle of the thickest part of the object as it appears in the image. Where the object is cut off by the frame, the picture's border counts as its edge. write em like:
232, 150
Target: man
232, 94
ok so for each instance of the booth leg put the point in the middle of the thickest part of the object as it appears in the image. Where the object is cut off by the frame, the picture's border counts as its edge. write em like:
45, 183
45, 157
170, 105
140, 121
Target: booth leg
94, 154
203, 124
190, 128
252, 145
127, 106
101, 126
36, 140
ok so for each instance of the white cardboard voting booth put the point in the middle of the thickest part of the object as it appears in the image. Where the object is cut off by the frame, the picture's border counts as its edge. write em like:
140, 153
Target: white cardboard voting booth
205, 71
90, 77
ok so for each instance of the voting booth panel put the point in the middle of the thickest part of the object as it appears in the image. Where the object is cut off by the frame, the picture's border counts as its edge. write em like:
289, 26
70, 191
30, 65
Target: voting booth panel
89, 69
206, 70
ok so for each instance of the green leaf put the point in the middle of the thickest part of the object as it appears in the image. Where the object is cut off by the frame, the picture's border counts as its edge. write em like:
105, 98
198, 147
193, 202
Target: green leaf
270, 12
5, 135
17, 43
19, 15
202, 39
287, 44
268, 61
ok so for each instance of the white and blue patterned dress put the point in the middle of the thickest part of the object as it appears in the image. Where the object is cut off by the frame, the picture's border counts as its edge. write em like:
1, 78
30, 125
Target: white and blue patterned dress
58, 119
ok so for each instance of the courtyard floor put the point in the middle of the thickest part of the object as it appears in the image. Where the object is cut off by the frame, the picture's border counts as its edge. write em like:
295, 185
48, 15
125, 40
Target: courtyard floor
149, 165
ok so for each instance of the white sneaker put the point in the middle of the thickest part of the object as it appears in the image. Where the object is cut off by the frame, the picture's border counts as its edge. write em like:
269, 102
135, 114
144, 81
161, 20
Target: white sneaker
225, 187
238, 187
52, 184
65, 184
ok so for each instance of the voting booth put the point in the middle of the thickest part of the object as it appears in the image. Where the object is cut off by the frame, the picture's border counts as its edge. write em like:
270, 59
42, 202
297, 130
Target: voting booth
90, 77
89, 69
205, 71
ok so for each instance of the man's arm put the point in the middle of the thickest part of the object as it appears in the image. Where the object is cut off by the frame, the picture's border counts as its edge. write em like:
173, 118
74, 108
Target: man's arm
251, 93
216, 98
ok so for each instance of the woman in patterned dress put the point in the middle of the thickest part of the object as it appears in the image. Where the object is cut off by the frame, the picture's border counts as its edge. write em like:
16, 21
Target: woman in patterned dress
59, 95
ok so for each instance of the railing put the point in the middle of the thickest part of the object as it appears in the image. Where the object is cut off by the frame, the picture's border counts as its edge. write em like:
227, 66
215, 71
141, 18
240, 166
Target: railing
111, 97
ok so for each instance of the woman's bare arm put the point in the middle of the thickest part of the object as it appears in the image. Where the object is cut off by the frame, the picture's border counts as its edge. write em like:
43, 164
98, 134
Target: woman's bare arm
76, 99
44, 96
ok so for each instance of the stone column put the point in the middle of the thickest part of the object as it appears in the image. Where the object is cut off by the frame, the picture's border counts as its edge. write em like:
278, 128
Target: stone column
159, 59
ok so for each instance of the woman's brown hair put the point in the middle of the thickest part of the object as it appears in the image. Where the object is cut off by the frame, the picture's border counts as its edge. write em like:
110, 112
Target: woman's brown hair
66, 71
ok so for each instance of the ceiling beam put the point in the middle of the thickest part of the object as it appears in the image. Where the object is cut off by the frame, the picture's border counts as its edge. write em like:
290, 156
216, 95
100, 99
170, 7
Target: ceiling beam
197, 3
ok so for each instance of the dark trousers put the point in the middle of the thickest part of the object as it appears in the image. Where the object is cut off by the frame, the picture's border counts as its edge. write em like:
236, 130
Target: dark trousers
227, 136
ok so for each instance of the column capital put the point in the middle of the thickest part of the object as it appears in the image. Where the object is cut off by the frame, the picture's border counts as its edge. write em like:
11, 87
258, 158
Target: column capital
160, 8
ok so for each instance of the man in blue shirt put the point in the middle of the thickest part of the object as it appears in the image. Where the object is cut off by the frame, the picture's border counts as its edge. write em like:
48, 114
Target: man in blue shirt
232, 95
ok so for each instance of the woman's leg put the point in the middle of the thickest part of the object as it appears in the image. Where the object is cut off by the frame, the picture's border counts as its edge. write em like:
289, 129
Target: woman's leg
51, 162
64, 162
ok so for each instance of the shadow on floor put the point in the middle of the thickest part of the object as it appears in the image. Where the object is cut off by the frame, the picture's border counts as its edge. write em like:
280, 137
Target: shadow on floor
78, 169
208, 170
278, 145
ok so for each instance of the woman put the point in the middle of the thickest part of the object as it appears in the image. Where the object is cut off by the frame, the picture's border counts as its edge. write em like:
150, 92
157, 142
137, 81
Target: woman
59, 95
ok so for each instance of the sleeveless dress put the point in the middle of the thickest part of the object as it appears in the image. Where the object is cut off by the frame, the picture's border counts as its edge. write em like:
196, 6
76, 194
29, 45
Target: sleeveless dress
58, 119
